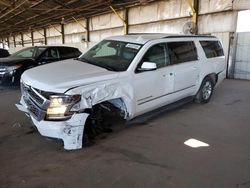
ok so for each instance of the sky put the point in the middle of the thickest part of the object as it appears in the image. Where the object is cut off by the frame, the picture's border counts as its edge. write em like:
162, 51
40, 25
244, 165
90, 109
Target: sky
243, 24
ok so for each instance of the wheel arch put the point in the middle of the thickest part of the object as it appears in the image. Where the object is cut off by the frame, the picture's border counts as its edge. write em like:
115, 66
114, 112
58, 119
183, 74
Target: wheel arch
212, 76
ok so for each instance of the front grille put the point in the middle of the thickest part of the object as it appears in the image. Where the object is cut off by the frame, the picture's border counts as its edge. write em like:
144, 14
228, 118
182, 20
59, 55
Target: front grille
32, 93
37, 104
35, 111
36, 97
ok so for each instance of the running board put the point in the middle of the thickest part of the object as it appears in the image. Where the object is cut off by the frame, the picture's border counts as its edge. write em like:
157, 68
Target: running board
155, 113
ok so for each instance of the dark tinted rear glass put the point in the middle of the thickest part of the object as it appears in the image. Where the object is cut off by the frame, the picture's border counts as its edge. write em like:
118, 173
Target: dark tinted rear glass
4, 53
66, 53
180, 52
212, 48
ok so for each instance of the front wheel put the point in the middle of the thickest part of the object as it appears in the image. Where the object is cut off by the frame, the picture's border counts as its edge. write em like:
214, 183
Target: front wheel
205, 92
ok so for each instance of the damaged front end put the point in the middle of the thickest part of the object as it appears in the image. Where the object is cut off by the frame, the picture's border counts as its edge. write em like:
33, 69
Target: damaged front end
64, 116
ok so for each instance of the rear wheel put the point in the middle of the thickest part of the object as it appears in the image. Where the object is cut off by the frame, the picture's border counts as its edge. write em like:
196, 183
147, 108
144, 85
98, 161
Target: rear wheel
205, 92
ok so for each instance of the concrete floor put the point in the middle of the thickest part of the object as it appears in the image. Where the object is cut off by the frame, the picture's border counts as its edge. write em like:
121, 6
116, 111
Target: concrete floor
148, 155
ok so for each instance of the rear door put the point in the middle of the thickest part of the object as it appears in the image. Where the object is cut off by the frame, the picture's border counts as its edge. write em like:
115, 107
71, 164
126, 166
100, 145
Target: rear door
184, 58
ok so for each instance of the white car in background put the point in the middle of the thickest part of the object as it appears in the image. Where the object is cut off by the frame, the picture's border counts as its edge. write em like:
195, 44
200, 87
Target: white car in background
133, 74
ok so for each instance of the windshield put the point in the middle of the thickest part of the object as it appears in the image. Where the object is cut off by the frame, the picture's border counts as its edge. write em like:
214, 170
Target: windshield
32, 52
112, 55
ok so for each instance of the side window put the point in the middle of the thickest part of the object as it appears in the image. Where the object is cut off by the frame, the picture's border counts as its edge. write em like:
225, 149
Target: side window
180, 52
27, 53
212, 48
51, 53
66, 53
157, 54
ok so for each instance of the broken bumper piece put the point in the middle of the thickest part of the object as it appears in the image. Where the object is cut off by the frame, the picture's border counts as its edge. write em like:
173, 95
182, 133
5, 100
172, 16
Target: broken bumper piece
70, 131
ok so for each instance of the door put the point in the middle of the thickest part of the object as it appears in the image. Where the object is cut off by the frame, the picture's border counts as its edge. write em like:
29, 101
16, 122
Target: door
184, 58
151, 87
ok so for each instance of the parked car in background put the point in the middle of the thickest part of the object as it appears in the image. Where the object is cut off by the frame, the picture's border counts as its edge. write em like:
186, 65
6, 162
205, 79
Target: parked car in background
130, 75
4, 53
12, 67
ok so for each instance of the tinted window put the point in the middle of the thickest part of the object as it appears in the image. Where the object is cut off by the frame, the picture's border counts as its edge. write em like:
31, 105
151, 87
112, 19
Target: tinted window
4, 53
66, 53
180, 52
39, 51
51, 53
157, 54
32, 52
212, 48
26, 53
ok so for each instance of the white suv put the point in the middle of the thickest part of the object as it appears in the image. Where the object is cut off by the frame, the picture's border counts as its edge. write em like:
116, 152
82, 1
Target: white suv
134, 74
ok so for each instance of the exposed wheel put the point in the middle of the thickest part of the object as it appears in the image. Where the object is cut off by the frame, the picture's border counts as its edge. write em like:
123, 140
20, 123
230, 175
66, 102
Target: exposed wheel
88, 137
205, 92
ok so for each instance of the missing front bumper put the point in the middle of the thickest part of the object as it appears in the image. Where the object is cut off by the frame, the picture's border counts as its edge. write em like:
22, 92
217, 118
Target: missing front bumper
70, 131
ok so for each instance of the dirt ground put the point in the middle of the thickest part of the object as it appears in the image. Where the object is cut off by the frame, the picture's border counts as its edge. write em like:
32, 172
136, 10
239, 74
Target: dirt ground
145, 155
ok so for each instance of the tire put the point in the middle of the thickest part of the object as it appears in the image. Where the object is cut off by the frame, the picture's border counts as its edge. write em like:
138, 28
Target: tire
205, 92
88, 138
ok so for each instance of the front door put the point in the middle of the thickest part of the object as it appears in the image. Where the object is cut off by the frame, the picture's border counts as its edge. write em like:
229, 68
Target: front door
152, 87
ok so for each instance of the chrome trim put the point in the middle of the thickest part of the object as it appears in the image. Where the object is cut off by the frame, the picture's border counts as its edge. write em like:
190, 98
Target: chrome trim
45, 103
37, 108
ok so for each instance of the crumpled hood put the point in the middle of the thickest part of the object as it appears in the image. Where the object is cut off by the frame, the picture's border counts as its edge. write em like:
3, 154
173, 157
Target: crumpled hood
63, 75
8, 61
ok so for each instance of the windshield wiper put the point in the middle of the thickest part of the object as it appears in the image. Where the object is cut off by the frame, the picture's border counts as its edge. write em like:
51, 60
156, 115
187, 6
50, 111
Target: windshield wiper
82, 59
107, 67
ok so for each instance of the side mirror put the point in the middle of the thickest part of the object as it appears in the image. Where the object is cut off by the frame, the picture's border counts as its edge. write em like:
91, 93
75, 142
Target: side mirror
147, 66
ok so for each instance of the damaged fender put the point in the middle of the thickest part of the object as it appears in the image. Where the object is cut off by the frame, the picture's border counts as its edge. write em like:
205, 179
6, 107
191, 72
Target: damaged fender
117, 93
71, 131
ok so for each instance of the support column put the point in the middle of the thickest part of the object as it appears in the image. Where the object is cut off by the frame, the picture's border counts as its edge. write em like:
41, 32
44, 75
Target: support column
8, 42
87, 30
45, 36
22, 40
126, 23
14, 40
193, 4
63, 34
122, 19
196, 8
32, 38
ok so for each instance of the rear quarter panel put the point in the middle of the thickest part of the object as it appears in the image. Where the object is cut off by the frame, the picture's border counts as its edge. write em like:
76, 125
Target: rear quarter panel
208, 66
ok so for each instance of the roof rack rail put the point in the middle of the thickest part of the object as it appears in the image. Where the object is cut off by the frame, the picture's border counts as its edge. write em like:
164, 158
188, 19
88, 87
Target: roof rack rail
148, 34
186, 36
169, 35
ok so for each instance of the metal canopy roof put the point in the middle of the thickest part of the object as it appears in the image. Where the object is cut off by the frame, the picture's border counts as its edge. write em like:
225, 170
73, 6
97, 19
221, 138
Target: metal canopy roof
18, 16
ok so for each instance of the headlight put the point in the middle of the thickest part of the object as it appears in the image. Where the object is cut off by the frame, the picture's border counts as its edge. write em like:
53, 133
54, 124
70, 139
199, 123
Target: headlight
61, 107
12, 69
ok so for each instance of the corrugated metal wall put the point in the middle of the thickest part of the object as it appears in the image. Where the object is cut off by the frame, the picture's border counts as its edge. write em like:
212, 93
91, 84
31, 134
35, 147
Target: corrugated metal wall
242, 56
216, 17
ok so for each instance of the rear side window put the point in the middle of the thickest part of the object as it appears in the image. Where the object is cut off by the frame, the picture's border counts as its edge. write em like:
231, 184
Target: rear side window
66, 53
212, 48
180, 52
